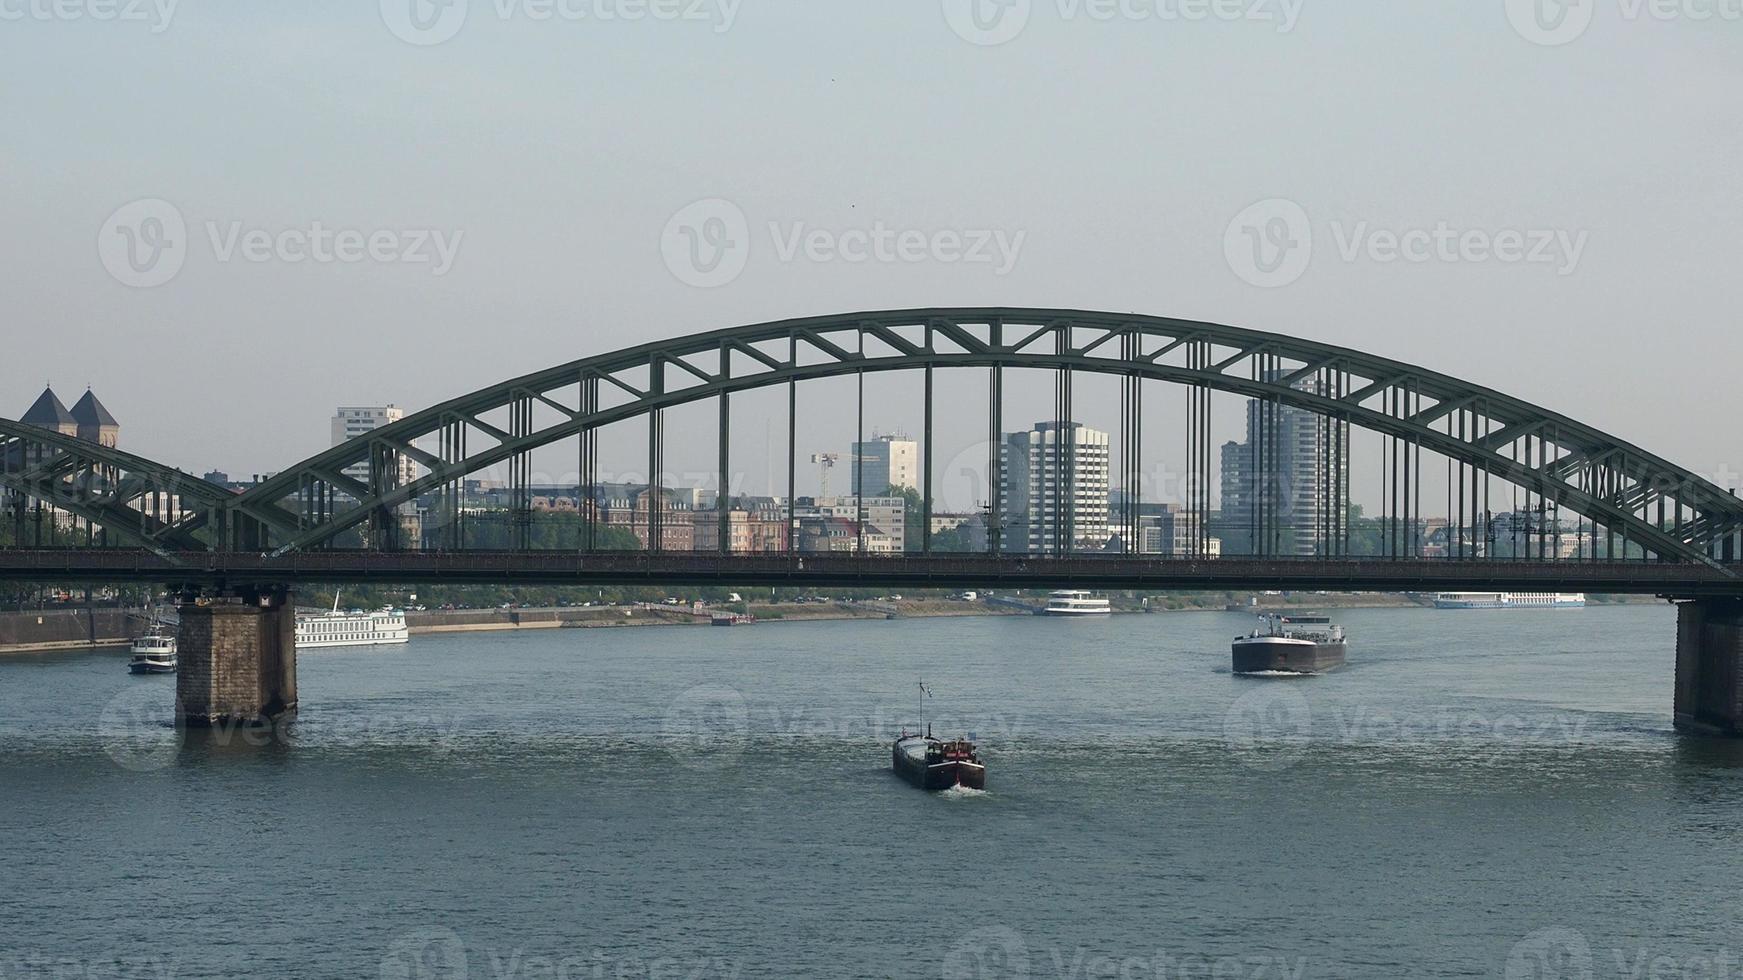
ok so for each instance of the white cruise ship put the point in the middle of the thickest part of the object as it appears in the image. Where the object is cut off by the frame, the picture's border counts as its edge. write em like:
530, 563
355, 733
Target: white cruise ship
1509, 600
1071, 602
352, 629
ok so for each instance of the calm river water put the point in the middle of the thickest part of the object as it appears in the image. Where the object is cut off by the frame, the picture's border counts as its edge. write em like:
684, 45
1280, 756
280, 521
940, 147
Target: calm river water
1480, 793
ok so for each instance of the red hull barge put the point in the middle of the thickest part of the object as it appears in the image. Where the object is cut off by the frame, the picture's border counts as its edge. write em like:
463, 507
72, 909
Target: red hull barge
933, 764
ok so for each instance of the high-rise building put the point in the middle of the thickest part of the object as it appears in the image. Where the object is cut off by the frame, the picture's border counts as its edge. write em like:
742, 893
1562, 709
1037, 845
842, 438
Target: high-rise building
1285, 482
884, 465
1234, 522
1053, 489
349, 423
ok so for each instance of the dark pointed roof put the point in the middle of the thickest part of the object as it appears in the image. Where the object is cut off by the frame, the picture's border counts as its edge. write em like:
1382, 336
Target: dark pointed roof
90, 411
48, 410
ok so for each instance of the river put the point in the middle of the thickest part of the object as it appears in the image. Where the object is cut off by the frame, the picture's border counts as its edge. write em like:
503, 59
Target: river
1479, 793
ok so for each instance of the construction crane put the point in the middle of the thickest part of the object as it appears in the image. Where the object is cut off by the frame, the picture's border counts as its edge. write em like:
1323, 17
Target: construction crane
825, 462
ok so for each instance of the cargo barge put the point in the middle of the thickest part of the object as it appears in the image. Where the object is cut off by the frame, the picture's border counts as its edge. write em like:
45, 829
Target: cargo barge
1290, 645
934, 764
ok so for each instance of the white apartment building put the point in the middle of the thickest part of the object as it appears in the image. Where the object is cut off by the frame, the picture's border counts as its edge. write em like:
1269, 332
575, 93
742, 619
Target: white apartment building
884, 464
352, 422
1054, 486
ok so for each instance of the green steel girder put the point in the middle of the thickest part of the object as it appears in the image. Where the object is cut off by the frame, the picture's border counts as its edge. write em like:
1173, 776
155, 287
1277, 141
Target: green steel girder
916, 337
103, 486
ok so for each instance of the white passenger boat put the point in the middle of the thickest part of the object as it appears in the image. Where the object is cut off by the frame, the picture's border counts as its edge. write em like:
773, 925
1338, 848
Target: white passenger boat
154, 652
1072, 602
351, 629
1509, 600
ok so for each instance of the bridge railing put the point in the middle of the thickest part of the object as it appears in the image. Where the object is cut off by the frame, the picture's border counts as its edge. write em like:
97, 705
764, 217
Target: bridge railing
914, 571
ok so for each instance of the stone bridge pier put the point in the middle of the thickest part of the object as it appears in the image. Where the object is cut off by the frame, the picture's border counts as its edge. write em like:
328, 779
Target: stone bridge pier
1709, 666
237, 658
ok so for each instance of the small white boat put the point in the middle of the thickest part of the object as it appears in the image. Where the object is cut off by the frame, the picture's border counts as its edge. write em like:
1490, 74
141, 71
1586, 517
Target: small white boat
154, 652
1074, 602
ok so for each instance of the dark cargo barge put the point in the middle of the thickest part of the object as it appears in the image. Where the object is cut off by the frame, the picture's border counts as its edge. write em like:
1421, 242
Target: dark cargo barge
933, 764
1291, 645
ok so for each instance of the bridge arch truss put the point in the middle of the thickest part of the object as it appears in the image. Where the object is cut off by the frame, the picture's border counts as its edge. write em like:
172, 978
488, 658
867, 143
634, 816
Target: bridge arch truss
1665, 511
55, 486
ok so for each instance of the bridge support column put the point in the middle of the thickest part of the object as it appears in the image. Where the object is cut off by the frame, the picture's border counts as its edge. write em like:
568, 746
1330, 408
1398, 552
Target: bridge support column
1709, 666
237, 659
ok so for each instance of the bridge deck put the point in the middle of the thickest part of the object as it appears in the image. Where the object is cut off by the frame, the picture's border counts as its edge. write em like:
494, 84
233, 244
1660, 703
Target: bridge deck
816, 570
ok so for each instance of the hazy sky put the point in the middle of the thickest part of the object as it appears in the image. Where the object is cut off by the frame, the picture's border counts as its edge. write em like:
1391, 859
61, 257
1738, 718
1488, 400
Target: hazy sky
1114, 147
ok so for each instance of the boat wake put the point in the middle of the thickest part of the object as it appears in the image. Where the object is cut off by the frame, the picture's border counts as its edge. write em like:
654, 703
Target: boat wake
1273, 673
962, 793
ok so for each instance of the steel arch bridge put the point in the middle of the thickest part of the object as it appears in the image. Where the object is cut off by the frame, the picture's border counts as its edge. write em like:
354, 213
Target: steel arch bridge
117, 495
1659, 510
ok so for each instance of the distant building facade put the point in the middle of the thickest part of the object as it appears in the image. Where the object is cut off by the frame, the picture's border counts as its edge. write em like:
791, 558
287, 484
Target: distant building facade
1164, 529
884, 465
352, 422
1283, 483
1053, 488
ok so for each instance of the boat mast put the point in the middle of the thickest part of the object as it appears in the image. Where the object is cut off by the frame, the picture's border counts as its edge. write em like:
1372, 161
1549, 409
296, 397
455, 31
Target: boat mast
924, 694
